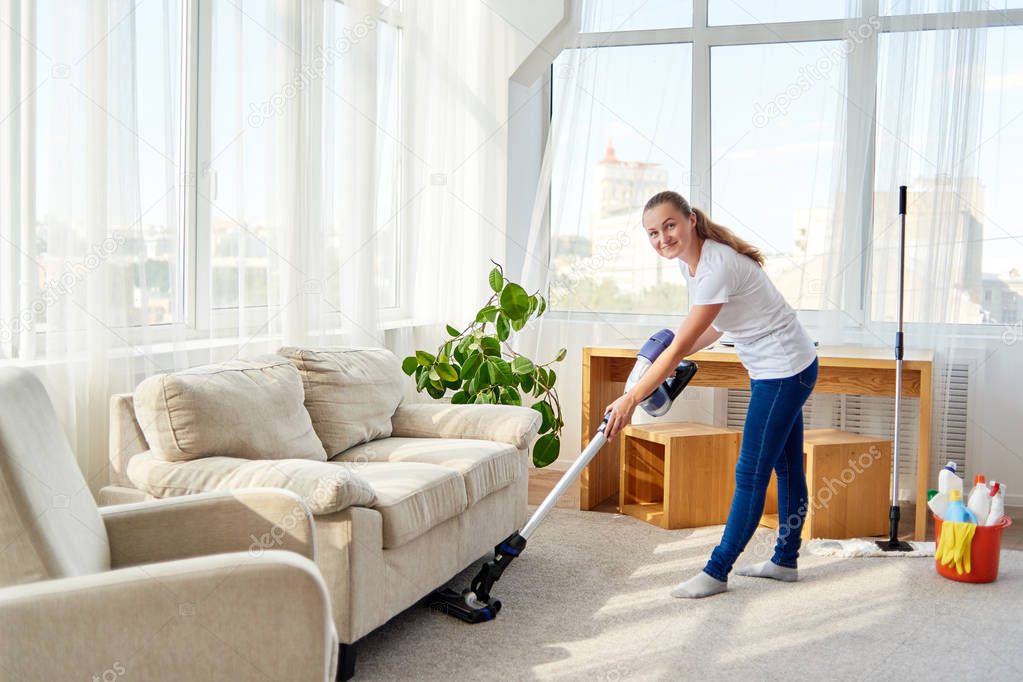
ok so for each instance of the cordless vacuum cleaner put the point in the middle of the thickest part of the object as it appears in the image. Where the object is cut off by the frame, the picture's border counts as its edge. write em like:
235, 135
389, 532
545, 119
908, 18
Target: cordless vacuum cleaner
474, 604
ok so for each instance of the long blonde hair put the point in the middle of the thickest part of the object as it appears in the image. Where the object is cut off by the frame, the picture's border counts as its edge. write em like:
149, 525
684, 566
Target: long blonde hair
705, 227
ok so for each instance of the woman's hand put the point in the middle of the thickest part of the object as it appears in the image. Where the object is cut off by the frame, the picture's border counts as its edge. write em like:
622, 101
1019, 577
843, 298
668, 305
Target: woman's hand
619, 415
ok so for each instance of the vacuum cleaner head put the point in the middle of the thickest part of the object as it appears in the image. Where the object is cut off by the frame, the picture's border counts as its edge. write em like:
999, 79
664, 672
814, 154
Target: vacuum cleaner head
464, 605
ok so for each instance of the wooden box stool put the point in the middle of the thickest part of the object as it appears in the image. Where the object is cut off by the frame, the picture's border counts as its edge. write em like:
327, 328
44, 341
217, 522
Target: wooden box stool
677, 475
848, 480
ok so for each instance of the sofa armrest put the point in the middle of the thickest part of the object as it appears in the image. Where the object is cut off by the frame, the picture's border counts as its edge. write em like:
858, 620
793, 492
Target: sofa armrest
225, 617
503, 423
252, 521
126, 438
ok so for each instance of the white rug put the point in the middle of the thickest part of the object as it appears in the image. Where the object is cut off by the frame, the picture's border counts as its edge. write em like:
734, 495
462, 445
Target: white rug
588, 600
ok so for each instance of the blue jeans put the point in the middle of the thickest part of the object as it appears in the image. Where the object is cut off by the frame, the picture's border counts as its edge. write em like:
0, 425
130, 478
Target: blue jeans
772, 439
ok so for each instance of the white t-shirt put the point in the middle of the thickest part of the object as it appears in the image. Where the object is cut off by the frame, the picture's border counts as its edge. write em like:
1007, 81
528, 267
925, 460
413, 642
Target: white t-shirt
768, 338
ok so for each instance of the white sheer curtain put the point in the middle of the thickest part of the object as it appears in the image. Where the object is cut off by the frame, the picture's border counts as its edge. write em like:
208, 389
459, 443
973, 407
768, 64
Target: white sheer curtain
75, 250
103, 281
940, 124
458, 58
812, 181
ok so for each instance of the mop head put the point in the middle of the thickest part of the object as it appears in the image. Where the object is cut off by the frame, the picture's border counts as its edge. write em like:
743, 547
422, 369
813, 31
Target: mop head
864, 548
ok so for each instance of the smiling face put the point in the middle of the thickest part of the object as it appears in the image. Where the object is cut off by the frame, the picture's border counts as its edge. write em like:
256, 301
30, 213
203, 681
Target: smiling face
669, 231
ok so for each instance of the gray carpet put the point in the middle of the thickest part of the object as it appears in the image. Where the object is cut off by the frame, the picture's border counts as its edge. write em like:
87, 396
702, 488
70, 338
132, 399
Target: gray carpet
588, 600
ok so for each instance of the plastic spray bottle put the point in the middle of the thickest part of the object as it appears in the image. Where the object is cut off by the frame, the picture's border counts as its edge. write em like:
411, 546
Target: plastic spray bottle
947, 479
997, 503
980, 499
956, 510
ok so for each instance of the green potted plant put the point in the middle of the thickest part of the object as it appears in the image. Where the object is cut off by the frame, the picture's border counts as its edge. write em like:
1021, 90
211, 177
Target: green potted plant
479, 366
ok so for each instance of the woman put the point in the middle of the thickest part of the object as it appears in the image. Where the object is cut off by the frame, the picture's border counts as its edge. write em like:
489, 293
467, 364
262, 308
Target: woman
729, 292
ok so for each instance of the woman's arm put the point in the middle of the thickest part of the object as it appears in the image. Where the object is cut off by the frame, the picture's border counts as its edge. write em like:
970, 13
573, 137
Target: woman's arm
689, 334
706, 338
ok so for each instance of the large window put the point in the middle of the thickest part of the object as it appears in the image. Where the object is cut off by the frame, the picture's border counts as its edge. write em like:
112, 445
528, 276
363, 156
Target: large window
201, 92
777, 118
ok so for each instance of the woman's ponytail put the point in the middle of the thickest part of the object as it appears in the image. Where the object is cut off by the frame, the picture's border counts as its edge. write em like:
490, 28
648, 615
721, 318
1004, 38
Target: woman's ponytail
705, 227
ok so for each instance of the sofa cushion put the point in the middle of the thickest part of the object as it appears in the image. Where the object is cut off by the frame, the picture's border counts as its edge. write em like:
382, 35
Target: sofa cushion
253, 409
485, 466
325, 487
350, 392
411, 497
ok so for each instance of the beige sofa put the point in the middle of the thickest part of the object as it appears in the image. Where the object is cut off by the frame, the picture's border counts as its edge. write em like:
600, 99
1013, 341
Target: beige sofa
405, 495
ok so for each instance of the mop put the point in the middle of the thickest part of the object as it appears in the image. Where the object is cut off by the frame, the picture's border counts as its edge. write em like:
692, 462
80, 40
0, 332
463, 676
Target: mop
475, 604
893, 546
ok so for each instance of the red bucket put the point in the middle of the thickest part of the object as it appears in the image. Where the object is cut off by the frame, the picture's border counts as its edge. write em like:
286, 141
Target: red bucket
985, 549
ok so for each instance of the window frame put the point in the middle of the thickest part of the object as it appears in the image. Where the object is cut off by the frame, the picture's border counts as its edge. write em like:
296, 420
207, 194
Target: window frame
854, 316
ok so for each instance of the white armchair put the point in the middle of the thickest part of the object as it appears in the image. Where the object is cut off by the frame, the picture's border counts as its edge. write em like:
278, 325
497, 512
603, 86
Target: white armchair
189, 588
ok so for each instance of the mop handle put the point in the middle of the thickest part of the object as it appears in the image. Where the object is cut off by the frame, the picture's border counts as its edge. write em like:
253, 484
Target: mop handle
596, 443
899, 346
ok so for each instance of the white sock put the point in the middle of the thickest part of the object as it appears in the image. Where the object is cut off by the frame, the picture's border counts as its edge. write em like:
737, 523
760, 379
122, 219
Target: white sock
769, 569
700, 585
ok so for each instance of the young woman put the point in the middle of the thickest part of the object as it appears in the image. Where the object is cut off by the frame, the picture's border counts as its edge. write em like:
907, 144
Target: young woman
730, 293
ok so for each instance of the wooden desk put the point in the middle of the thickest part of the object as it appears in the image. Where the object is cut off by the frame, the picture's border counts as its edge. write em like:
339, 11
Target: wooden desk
843, 369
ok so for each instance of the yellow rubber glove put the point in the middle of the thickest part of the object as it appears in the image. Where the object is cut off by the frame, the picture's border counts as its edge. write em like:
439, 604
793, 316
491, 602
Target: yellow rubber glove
953, 547
943, 550
965, 531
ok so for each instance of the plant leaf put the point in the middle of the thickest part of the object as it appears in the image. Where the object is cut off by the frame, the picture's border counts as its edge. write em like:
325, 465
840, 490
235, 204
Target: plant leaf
500, 372
503, 329
496, 279
483, 376
446, 372
409, 364
471, 366
425, 359
522, 365
491, 346
546, 450
453, 331
459, 398
526, 382
546, 415
514, 300
561, 355
509, 396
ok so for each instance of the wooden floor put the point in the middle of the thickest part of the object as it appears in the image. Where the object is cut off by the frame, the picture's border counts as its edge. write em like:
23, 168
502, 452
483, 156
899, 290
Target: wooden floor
541, 481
